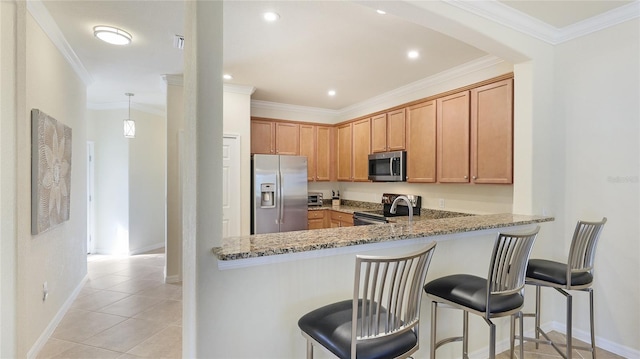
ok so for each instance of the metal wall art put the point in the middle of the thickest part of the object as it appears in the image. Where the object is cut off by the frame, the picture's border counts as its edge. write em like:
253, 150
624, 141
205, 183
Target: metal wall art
50, 171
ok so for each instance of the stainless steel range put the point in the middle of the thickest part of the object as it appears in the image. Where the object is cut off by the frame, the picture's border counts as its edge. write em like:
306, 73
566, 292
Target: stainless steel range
364, 218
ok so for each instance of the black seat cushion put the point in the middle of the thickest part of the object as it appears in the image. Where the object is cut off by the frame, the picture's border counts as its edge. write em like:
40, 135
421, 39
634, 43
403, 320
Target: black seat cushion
471, 292
331, 327
555, 272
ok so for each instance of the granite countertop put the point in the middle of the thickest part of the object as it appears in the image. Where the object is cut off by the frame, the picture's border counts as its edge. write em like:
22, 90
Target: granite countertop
301, 241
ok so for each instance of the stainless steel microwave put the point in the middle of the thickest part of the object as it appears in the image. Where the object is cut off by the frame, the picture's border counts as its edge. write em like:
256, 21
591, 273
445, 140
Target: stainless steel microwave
388, 166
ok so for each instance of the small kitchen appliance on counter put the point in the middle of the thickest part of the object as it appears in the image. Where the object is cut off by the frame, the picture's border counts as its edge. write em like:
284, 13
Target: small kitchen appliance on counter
381, 216
314, 199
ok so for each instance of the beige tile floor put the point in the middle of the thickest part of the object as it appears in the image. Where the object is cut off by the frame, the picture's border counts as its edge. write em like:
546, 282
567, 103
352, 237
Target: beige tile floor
125, 310
545, 351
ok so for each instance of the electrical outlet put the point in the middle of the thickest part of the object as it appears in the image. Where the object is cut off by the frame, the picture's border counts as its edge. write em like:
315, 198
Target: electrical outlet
45, 291
441, 203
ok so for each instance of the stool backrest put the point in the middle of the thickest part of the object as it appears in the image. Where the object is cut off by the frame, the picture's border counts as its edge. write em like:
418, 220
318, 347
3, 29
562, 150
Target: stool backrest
387, 294
508, 266
583, 247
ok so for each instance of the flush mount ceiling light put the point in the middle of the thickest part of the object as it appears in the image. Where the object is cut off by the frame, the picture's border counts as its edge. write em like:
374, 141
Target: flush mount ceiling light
270, 16
381, 12
227, 77
413, 54
112, 35
129, 124
331, 92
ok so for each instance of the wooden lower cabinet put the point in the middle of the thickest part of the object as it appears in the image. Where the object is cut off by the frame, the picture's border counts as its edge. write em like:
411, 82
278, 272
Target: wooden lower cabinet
318, 219
341, 219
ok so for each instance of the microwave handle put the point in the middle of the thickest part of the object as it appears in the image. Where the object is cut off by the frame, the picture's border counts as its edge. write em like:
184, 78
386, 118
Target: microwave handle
391, 167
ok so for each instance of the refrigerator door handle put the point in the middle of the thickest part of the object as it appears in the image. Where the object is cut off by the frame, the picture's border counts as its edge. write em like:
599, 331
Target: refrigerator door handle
281, 196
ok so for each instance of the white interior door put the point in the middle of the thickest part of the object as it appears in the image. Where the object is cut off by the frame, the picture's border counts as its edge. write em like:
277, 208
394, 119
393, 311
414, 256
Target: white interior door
231, 186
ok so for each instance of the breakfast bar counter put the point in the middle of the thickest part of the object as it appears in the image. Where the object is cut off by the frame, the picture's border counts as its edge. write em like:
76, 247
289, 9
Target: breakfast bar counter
262, 245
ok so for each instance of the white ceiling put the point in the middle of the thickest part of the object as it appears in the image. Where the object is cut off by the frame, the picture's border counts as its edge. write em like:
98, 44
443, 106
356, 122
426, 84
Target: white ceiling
314, 46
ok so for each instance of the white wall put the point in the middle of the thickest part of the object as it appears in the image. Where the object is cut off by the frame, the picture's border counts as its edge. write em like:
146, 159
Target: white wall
236, 121
147, 182
111, 180
599, 84
8, 182
58, 255
129, 181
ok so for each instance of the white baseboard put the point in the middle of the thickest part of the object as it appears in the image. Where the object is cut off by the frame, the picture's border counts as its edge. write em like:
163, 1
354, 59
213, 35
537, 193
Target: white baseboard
46, 334
147, 248
172, 279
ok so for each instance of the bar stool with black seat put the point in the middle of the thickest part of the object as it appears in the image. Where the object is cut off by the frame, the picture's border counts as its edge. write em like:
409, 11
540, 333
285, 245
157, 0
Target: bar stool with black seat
382, 319
576, 274
501, 294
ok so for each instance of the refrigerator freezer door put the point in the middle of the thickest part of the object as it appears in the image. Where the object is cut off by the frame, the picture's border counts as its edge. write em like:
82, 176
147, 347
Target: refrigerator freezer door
265, 211
293, 199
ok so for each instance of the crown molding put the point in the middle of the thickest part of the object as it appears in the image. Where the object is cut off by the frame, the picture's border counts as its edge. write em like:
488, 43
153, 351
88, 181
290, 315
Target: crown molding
239, 89
175, 80
266, 105
610, 18
120, 105
42, 16
519, 21
444, 76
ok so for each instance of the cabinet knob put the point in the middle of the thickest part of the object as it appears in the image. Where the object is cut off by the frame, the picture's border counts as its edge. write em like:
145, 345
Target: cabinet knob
474, 177
466, 177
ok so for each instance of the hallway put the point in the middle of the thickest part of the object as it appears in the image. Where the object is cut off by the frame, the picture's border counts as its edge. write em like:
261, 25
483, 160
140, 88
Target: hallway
125, 310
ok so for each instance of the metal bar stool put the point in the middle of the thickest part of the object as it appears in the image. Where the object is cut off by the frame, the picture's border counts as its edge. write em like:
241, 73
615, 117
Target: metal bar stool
576, 274
501, 294
382, 319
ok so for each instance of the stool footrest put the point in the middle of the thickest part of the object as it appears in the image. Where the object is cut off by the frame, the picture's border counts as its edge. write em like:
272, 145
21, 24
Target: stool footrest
448, 340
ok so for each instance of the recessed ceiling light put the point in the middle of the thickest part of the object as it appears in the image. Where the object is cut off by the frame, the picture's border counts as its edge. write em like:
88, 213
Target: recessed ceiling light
227, 77
112, 35
413, 54
331, 92
270, 16
381, 12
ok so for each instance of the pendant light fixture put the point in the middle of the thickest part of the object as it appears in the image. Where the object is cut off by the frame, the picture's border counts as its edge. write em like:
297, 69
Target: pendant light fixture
129, 124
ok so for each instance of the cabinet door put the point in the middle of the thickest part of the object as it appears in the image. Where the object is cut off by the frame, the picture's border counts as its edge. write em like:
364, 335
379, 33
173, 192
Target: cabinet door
287, 138
421, 142
308, 149
492, 133
361, 149
379, 133
453, 138
345, 152
262, 137
396, 130
323, 153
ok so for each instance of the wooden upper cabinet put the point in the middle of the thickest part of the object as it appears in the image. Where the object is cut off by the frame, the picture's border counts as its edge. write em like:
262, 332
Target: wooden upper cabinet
453, 138
388, 131
287, 138
323, 153
492, 133
308, 149
361, 149
262, 137
379, 133
344, 152
421, 142
315, 144
396, 140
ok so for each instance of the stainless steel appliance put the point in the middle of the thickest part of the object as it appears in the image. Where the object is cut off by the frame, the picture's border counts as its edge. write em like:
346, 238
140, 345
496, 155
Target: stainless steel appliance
388, 166
382, 216
314, 199
278, 193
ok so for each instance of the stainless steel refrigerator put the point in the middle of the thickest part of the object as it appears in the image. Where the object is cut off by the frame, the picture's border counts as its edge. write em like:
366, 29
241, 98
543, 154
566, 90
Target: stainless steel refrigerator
278, 193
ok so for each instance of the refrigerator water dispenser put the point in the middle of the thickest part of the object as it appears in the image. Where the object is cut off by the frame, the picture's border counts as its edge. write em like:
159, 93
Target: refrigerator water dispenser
267, 195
